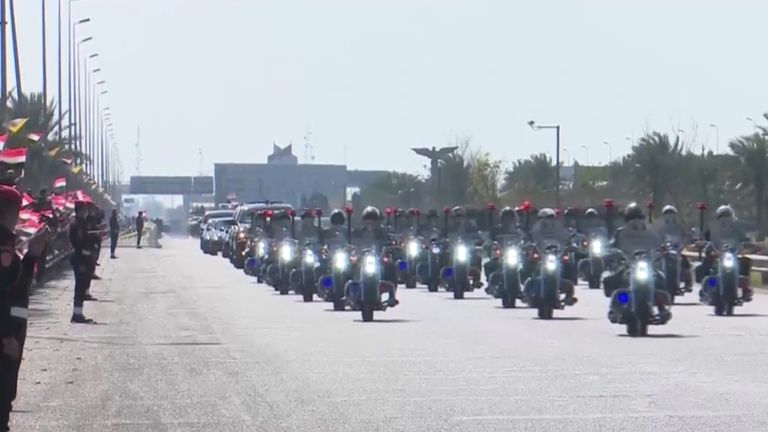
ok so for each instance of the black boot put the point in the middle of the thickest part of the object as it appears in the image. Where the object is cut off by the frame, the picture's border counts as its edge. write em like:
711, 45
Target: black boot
89, 297
81, 319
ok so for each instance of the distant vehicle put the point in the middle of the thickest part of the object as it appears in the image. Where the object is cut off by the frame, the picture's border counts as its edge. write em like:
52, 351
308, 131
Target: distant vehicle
238, 235
213, 234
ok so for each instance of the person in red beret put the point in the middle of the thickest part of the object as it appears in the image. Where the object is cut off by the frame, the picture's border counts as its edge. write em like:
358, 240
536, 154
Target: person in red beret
15, 277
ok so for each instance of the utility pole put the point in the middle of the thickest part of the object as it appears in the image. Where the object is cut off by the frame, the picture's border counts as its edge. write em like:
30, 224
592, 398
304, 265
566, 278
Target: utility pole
45, 64
15, 51
138, 150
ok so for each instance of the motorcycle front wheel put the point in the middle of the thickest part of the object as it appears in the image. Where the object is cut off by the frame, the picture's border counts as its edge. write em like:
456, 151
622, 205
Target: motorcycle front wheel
367, 312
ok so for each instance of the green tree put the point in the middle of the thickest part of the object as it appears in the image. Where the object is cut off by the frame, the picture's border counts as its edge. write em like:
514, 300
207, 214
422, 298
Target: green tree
655, 165
484, 178
752, 152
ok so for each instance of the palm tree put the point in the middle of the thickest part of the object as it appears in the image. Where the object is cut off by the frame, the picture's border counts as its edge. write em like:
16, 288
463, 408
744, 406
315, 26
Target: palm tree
752, 151
655, 164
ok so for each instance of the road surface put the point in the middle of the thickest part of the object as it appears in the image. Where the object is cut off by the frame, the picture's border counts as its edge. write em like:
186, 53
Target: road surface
187, 343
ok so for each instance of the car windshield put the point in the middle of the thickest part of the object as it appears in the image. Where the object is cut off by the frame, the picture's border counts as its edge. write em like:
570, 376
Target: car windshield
223, 223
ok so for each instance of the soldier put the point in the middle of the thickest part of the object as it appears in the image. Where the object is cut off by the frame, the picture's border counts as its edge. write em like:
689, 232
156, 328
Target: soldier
139, 228
114, 232
95, 216
15, 278
336, 234
81, 260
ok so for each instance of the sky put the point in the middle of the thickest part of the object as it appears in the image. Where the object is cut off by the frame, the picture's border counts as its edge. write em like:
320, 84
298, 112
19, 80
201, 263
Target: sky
372, 79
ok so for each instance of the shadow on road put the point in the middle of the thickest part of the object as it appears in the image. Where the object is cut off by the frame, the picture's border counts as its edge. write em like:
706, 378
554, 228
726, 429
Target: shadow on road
387, 321
468, 298
660, 336
556, 318
687, 304
746, 315
345, 310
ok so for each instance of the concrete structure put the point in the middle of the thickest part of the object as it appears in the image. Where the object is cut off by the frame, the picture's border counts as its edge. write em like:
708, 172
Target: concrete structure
283, 178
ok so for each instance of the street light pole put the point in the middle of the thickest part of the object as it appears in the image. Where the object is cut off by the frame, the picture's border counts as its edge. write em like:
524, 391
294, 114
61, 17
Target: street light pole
79, 98
71, 78
610, 152
45, 63
586, 150
717, 137
534, 126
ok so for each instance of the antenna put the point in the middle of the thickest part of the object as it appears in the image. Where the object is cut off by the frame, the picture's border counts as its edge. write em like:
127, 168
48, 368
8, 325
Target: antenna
138, 150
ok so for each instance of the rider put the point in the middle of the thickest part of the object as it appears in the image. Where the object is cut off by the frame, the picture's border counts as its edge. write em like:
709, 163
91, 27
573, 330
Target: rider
726, 232
669, 228
547, 231
593, 226
431, 228
307, 229
507, 232
460, 227
372, 234
335, 234
632, 237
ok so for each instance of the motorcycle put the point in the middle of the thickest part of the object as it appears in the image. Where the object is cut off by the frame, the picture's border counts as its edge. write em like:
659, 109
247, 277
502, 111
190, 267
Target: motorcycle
531, 261
407, 265
365, 293
634, 306
720, 288
429, 271
676, 271
544, 292
340, 265
279, 270
304, 276
504, 283
593, 266
461, 276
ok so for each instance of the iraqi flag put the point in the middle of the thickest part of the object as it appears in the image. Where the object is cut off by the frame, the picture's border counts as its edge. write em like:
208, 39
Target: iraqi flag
58, 202
60, 182
28, 215
3, 139
14, 156
26, 200
35, 136
28, 228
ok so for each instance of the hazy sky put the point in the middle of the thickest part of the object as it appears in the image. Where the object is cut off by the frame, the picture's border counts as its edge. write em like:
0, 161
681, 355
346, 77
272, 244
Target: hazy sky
379, 77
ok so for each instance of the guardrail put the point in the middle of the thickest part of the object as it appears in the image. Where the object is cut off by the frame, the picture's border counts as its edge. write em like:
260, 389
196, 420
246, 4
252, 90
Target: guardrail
759, 269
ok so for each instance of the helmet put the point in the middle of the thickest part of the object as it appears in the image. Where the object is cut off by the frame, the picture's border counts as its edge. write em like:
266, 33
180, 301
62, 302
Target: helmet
337, 217
546, 213
669, 209
371, 213
570, 212
458, 211
633, 212
725, 211
507, 213
432, 214
590, 213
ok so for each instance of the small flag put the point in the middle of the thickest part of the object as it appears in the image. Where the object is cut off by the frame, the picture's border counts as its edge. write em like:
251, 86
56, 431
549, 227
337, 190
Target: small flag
3, 139
15, 125
28, 228
67, 160
26, 200
26, 215
13, 156
35, 136
59, 182
58, 202
77, 169
54, 152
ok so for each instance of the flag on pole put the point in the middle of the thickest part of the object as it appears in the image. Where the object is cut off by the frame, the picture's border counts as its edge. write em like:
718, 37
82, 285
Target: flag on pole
59, 182
15, 125
13, 156
77, 169
35, 136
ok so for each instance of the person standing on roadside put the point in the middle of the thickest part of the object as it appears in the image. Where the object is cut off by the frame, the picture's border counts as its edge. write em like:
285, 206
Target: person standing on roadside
139, 228
15, 279
82, 261
114, 232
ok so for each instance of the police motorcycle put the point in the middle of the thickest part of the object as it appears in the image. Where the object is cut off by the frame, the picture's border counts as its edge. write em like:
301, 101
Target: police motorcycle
549, 290
284, 256
433, 257
594, 243
723, 273
675, 266
305, 275
364, 291
464, 256
339, 263
412, 247
639, 304
505, 261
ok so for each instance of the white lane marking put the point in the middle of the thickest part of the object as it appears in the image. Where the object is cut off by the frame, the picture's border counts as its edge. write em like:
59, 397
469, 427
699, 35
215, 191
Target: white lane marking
610, 415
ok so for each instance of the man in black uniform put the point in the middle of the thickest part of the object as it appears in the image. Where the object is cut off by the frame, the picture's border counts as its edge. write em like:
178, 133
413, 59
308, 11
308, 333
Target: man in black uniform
95, 217
114, 232
82, 260
15, 278
139, 229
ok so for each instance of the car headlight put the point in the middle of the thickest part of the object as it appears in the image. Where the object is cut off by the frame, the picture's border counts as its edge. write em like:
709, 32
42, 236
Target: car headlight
729, 261
551, 263
512, 257
370, 265
413, 248
262, 248
462, 253
286, 253
641, 271
309, 257
596, 247
340, 261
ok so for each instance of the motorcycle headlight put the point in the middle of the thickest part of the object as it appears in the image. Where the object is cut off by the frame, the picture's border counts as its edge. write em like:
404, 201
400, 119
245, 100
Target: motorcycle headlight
370, 265
413, 248
597, 247
286, 253
435, 250
261, 248
462, 254
551, 264
340, 260
241, 235
512, 257
309, 257
729, 261
642, 272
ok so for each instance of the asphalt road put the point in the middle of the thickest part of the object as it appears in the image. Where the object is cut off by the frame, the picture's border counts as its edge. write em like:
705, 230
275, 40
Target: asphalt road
187, 343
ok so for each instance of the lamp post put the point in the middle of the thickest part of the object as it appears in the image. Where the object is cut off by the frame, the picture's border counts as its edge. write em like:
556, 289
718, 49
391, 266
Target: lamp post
45, 61
717, 137
70, 77
610, 152
78, 101
534, 126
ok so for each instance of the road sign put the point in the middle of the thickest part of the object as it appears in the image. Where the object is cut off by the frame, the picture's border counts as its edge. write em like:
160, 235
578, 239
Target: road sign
164, 185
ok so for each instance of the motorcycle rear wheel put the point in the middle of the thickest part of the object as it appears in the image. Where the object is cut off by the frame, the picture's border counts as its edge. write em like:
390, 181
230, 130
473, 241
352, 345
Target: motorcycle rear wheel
458, 290
508, 301
367, 312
